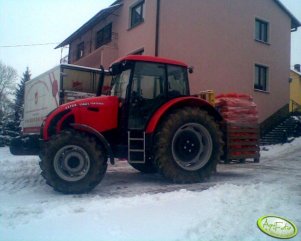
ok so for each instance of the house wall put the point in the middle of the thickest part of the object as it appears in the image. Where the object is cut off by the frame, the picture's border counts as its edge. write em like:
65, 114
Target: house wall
295, 88
217, 38
125, 40
141, 36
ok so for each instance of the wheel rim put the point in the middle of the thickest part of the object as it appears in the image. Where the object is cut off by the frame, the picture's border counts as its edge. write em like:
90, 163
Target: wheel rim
71, 163
192, 146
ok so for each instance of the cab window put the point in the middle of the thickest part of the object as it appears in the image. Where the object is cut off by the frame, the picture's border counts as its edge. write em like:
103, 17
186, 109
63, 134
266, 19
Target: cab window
177, 81
148, 80
120, 84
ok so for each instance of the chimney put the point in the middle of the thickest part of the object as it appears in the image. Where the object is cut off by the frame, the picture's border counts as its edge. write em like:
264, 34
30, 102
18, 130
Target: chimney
297, 67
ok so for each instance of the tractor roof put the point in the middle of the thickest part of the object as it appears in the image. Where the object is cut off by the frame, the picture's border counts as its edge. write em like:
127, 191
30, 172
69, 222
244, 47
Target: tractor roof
145, 58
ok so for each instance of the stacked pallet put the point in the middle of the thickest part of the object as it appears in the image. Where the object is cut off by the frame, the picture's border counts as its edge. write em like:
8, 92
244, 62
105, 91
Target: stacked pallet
240, 127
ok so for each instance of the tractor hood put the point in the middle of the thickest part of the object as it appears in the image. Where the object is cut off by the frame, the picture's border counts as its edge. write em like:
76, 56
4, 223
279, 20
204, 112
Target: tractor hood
99, 113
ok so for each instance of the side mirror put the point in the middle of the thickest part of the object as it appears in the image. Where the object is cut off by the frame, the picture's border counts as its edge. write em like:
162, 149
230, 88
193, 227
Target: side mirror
190, 69
117, 68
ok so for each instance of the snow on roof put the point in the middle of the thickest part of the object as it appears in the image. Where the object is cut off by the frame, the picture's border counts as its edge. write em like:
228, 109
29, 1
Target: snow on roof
295, 23
296, 72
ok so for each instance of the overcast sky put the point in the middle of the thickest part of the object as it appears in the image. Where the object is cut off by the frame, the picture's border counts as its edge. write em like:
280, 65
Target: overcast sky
27, 22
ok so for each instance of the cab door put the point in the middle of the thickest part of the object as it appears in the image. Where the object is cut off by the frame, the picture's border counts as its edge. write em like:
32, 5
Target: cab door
148, 93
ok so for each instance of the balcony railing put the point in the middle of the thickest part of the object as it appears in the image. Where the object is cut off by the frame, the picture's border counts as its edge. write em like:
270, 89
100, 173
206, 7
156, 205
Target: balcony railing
112, 44
64, 60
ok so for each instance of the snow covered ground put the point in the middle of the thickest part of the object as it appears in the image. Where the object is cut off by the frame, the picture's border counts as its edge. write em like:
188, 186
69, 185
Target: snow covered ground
129, 205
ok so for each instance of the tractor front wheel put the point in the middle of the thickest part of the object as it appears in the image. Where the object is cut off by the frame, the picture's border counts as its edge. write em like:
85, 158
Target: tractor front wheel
188, 145
73, 162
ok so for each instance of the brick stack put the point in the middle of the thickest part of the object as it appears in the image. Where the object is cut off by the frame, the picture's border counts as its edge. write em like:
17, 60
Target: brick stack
240, 126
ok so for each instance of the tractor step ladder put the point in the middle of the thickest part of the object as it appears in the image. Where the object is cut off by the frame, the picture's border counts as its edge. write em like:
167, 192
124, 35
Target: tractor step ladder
136, 146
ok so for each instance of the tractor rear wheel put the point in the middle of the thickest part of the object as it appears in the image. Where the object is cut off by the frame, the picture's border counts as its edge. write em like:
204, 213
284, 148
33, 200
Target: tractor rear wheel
188, 145
73, 162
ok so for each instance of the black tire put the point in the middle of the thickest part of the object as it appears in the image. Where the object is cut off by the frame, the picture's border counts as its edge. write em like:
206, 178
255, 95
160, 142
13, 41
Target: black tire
195, 161
73, 162
148, 167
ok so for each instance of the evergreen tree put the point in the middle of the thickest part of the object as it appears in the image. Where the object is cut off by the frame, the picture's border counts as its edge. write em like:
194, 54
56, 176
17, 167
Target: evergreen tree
19, 97
8, 76
8, 128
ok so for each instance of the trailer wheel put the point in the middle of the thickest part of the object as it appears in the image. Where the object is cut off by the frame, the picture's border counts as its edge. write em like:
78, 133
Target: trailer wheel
148, 167
188, 145
73, 162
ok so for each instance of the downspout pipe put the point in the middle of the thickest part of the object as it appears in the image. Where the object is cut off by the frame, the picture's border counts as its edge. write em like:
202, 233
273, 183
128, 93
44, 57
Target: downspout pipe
157, 28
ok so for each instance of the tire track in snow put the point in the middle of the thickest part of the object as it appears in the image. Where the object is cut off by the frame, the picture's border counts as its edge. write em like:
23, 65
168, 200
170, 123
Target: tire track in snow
19, 173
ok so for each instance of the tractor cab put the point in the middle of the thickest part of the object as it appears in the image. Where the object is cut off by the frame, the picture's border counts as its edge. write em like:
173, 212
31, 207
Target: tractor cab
143, 84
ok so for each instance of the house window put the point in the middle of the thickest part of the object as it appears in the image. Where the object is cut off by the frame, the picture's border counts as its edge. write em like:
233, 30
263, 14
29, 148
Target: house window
137, 14
261, 77
261, 31
104, 35
80, 50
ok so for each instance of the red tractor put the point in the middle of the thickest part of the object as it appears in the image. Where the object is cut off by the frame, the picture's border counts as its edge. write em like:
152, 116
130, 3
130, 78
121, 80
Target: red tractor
149, 118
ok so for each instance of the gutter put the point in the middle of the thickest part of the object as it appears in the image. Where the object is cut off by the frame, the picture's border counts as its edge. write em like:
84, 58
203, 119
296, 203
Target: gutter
157, 28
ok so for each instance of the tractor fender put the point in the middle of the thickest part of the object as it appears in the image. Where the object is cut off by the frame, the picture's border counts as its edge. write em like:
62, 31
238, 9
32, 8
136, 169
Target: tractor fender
49, 126
178, 103
99, 136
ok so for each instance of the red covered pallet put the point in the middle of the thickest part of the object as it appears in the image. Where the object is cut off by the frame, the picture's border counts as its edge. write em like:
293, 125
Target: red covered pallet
240, 126
242, 142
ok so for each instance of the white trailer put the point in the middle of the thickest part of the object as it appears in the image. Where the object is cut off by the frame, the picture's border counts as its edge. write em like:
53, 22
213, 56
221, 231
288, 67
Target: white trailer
44, 93
57, 86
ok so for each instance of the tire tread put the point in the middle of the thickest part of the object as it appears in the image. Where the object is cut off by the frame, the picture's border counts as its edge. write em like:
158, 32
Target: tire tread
163, 157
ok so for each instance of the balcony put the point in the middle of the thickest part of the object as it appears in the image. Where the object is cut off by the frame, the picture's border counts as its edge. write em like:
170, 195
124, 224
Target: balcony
64, 60
103, 55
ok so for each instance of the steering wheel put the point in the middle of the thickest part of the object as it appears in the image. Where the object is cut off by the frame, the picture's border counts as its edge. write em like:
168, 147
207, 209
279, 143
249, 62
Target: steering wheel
136, 98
